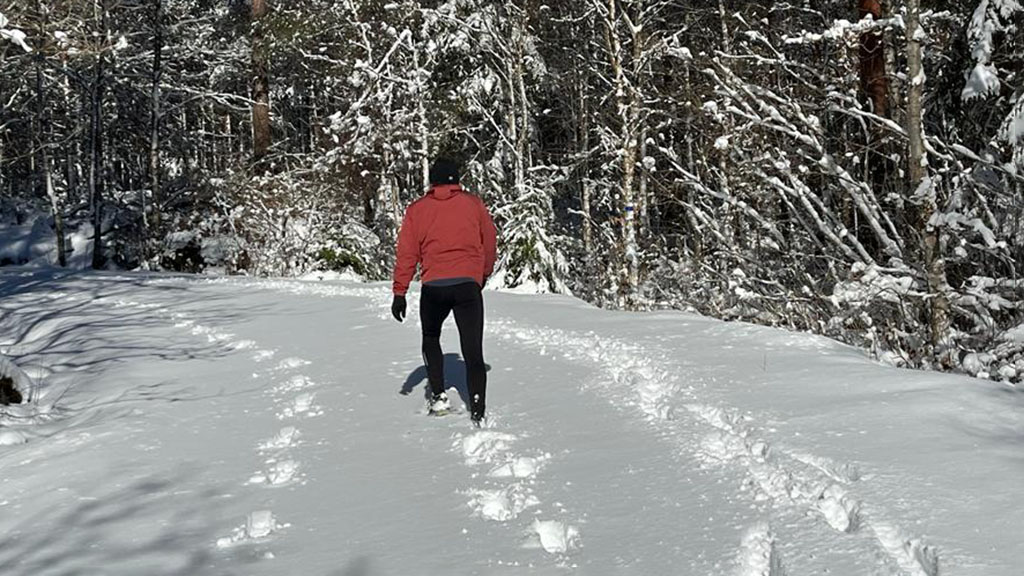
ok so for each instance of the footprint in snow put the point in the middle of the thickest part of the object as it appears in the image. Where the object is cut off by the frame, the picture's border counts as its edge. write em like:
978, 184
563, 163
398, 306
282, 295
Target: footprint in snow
484, 446
553, 536
840, 511
291, 363
242, 344
302, 405
294, 384
279, 473
759, 555
503, 504
259, 525
519, 467
286, 438
263, 355
212, 334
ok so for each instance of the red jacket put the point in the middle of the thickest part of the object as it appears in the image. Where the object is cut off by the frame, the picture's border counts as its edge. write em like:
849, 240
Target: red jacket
450, 234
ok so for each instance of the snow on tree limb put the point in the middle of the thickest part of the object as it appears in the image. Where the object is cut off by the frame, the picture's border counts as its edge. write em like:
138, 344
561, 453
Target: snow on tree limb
990, 17
13, 34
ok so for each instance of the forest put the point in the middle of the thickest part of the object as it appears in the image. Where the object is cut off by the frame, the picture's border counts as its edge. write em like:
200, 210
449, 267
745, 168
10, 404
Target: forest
850, 168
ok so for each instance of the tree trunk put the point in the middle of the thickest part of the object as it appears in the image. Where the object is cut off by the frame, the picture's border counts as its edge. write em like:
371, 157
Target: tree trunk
924, 190
153, 225
726, 39
874, 88
261, 138
586, 186
97, 177
726, 213
643, 200
73, 151
513, 128
520, 108
389, 193
873, 81
694, 238
421, 118
627, 103
890, 49
42, 141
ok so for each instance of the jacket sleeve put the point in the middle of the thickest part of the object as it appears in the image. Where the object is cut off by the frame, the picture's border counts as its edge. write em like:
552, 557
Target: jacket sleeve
488, 234
407, 255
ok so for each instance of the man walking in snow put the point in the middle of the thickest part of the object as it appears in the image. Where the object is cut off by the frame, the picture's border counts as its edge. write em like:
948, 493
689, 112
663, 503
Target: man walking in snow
450, 235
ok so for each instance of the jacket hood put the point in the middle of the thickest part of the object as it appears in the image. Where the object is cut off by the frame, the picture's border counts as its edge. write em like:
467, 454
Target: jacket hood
445, 191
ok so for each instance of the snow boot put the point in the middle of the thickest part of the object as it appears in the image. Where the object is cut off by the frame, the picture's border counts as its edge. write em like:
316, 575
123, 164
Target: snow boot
476, 412
438, 405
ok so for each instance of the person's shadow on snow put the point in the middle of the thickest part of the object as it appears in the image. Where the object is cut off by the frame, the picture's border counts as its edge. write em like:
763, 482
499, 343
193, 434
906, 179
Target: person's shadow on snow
454, 377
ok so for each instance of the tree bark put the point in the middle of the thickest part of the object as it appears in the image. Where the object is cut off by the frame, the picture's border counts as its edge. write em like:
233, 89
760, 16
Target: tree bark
421, 116
924, 190
627, 103
583, 148
152, 225
519, 109
727, 214
890, 49
42, 140
873, 81
722, 18
261, 137
874, 88
97, 178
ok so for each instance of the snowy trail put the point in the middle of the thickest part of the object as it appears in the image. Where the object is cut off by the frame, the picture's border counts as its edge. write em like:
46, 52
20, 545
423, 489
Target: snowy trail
773, 476
776, 477
632, 378
507, 481
257, 427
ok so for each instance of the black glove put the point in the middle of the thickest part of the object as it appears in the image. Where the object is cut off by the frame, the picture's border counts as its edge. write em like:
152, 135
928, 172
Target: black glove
398, 307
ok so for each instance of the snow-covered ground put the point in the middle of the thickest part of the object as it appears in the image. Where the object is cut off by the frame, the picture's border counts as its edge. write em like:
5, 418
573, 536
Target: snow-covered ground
35, 244
234, 426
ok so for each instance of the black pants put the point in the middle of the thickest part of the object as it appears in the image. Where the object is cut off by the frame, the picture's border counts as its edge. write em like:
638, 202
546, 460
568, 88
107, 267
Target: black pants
468, 304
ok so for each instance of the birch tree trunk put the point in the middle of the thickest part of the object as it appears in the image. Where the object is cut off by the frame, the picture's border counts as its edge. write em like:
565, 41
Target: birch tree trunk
643, 199
421, 116
152, 225
73, 151
97, 177
731, 235
583, 148
924, 189
521, 107
42, 125
626, 100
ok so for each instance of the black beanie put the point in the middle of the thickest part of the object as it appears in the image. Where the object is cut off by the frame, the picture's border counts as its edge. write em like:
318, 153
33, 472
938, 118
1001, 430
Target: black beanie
444, 171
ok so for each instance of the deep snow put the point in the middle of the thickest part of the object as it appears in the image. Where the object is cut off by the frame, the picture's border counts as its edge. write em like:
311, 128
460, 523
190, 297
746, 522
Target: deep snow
190, 425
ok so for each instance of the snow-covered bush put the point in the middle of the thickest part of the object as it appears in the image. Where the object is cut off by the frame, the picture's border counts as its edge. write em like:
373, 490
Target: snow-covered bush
530, 258
280, 225
992, 18
878, 308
